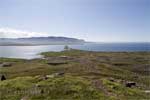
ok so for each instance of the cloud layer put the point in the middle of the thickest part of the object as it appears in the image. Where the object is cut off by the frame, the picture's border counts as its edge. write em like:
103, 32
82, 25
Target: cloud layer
13, 33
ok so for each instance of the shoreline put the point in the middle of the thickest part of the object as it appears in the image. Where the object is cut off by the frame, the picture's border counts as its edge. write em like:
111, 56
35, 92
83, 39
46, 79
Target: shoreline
42, 56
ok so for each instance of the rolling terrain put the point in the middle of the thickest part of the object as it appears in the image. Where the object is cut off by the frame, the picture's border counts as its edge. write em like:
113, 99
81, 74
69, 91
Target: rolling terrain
77, 75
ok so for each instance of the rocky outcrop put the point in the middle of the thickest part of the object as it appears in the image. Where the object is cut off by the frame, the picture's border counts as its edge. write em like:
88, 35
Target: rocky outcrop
130, 84
57, 62
5, 64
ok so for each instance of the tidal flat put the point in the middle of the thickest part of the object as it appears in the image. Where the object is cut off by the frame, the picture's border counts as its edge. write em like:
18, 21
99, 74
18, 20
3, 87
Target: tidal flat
77, 75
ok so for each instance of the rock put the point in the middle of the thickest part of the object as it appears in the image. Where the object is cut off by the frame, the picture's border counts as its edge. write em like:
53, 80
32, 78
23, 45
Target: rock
42, 91
37, 85
57, 63
63, 56
130, 84
5, 64
3, 78
24, 98
50, 76
59, 74
45, 77
135, 77
54, 75
43, 58
147, 91
112, 79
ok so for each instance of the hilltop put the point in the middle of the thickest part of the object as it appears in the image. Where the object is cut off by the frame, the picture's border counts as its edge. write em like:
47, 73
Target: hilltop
40, 41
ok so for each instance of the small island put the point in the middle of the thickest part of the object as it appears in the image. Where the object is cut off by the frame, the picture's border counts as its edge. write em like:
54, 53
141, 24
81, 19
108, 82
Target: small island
76, 74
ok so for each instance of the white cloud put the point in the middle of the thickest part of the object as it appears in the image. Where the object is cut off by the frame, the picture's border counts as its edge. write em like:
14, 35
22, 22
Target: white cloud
13, 33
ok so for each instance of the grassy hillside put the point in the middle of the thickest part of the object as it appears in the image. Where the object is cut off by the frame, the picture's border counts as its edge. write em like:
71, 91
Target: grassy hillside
79, 75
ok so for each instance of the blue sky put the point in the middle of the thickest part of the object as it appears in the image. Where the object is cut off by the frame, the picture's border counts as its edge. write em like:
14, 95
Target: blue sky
92, 20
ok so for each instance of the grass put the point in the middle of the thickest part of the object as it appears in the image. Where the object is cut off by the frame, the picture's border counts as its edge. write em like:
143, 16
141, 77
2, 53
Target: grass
123, 92
86, 76
54, 88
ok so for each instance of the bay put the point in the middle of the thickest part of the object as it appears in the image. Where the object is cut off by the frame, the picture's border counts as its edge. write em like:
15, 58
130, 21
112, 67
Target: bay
30, 52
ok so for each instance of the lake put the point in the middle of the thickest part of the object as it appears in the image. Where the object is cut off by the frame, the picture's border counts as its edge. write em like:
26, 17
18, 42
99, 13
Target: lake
30, 52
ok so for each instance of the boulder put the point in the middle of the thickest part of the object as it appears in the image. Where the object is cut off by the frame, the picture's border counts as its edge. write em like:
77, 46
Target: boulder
3, 78
45, 77
5, 64
130, 84
59, 74
57, 63
147, 91
55, 75
24, 98
65, 57
50, 76
112, 79
37, 85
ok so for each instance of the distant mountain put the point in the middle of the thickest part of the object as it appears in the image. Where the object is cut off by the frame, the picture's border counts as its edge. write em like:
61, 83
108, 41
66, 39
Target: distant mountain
40, 41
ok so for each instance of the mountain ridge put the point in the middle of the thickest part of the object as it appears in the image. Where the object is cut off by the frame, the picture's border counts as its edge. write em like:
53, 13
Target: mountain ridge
50, 40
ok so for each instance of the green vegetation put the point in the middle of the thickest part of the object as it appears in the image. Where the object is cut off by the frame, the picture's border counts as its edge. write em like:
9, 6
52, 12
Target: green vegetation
85, 76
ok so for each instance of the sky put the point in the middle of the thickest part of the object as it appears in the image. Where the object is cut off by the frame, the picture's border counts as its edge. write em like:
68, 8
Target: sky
91, 20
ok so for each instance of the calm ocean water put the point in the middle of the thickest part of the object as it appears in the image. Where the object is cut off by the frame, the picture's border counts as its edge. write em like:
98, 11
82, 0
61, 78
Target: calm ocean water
30, 52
